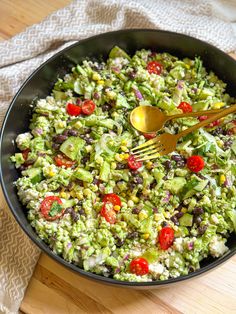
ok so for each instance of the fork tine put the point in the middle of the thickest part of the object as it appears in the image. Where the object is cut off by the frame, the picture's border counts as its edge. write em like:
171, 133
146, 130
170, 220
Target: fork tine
143, 150
159, 153
149, 153
153, 141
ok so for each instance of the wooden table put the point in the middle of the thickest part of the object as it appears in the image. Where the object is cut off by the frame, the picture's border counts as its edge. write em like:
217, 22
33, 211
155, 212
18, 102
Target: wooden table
53, 289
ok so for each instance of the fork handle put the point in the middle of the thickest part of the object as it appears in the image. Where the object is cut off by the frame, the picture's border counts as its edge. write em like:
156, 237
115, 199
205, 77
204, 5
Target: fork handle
195, 114
217, 116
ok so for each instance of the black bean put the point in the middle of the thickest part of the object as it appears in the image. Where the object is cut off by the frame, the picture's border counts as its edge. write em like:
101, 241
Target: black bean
79, 182
217, 131
179, 215
164, 224
73, 132
74, 216
155, 210
153, 185
135, 210
197, 220
167, 165
120, 166
68, 210
65, 132
202, 229
181, 163
132, 235
179, 207
56, 146
96, 181
228, 143
176, 157
88, 140
81, 212
198, 211
174, 219
138, 180
106, 107
22, 168
119, 242
131, 185
132, 74
85, 159
191, 269
59, 139
80, 203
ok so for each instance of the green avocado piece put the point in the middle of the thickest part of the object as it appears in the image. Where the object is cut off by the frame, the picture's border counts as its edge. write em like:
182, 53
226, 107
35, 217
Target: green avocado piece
117, 52
105, 171
83, 175
121, 102
201, 185
151, 255
35, 174
176, 184
72, 146
186, 220
181, 232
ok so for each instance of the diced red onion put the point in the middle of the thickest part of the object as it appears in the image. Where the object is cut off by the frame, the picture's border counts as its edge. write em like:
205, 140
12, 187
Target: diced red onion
115, 69
38, 131
228, 182
96, 96
166, 199
190, 245
180, 84
138, 94
69, 245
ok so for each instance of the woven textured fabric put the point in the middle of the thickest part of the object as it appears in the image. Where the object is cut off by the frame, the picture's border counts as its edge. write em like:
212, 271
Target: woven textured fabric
205, 19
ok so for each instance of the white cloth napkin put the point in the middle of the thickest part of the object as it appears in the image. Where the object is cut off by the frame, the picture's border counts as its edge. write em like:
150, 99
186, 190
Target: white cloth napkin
211, 20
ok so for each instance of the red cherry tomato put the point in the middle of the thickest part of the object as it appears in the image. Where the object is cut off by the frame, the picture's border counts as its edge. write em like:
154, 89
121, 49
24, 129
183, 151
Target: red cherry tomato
212, 124
202, 118
139, 266
133, 163
166, 237
73, 110
149, 136
25, 153
51, 208
112, 198
61, 160
154, 67
88, 107
195, 163
108, 212
185, 107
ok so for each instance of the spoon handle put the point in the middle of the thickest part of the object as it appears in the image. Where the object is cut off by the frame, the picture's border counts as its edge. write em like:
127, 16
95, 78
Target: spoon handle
217, 116
195, 114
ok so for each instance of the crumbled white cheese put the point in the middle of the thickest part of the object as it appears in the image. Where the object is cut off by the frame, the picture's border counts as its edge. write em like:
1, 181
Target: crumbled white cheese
22, 140
178, 245
217, 247
156, 269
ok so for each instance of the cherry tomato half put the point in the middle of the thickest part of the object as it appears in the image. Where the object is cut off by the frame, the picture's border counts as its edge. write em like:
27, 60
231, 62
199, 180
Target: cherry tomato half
51, 208
108, 212
166, 237
112, 198
61, 160
154, 67
195, 163
149, 136
88, 107
73, 110
139, 266
185, 107
133, 163
212, 124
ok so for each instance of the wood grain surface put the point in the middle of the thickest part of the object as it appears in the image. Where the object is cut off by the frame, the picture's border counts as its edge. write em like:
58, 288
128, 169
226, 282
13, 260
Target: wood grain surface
54, 289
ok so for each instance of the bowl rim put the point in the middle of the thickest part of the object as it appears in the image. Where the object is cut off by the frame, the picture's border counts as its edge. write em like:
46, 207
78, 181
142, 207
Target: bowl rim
41, 244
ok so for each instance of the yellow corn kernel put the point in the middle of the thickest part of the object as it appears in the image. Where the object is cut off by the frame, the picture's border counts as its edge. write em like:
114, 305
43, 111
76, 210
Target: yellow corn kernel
61, 124
159, 228
142, 215
116, 208
145, 236
113, 165
79, 195
222, 179
156, 217
73, 194
220, 143
77, 125
134, 198
125, 156
187, 66
65, 195
184, 210
166, 215
124, 142
96, 76
123, 194
100, 82
51, 173
124, 148
218, 105
87, 192
149, 165
118, 157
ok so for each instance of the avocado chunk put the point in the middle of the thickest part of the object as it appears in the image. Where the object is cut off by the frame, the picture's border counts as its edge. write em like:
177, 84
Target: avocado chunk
175, 185
35, 174
83, 175
105, 171
72, 146
117, 52
121, 102
151, 255
186, 220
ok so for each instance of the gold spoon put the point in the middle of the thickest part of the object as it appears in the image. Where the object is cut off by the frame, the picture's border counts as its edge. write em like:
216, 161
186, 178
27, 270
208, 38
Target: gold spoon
149, 119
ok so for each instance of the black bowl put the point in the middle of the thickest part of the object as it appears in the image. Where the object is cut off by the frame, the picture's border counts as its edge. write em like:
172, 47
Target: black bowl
40, 83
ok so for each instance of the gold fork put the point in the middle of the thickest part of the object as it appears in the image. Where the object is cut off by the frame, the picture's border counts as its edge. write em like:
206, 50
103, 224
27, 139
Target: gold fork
166, 143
